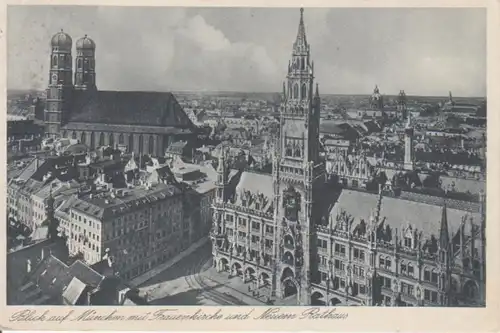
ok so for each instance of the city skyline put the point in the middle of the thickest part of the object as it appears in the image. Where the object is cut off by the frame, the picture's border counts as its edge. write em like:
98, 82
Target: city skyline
248, 57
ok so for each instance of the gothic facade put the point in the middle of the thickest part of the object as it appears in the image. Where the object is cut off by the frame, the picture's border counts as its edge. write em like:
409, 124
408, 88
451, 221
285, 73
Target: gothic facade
295, 235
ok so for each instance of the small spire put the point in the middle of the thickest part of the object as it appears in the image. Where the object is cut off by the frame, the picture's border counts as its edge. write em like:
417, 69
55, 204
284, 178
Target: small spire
301, 34
443, 231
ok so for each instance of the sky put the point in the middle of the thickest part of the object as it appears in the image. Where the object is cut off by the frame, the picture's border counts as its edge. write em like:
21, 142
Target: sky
425, 51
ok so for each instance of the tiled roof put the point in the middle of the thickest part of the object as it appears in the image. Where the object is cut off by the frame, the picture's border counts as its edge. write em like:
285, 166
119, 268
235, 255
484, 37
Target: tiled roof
398, 213
145, 129
128, 108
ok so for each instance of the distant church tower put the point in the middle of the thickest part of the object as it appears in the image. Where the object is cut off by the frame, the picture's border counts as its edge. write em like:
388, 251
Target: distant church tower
402, 105
409, 162
376, 100
60, 83
85, 64
297, 174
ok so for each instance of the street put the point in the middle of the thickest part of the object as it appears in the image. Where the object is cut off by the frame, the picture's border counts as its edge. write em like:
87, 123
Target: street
193, 281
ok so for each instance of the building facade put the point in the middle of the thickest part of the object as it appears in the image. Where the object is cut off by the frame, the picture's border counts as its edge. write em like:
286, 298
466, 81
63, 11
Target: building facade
137, 228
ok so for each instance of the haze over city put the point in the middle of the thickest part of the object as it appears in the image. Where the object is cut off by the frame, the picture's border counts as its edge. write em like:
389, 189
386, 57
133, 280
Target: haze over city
424, 51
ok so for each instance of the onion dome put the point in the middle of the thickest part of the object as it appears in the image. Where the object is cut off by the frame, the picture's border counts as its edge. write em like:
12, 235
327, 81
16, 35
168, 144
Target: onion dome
376, 94
62, 40
85, 43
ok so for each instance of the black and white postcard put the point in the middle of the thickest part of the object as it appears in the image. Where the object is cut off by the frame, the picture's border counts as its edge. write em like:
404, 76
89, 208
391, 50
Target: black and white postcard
209, 166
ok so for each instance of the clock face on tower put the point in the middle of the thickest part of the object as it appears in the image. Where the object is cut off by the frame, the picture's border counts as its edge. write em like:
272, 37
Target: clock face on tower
54, 78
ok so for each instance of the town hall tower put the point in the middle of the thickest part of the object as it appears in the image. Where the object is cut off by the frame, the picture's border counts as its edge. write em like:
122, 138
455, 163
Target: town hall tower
297, 174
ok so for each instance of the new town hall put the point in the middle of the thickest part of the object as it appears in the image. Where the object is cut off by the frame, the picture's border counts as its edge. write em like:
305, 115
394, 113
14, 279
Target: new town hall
299, 236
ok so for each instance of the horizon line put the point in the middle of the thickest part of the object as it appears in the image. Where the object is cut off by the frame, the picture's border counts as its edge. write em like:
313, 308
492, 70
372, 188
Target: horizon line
255, 92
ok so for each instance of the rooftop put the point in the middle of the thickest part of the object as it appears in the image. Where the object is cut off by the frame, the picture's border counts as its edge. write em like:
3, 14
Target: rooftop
104, 205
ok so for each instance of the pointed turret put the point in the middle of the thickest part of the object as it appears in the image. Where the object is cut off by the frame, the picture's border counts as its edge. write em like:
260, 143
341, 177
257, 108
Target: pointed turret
50, 220
301, 40
444, 236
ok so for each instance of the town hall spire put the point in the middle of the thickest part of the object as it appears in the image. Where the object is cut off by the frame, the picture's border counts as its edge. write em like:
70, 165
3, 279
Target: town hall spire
301, 41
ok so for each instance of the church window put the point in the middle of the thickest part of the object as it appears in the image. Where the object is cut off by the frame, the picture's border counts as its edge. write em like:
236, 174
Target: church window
151, 144
54, 61
296, 91
303, 92
120, 139
141, 144
92, 140
83, 138
302, 64
111, 139
131, 143
79, 63
101, 139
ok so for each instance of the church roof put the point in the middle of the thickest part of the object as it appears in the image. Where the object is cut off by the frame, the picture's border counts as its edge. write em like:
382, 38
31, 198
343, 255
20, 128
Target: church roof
128, 108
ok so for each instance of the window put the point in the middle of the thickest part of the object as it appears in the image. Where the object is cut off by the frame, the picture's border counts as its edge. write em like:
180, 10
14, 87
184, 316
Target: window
303, 92
359, 254
434, 277
410, 269
269, 229
255, 239
296, 91
242, 222
255, 226
388, 263
407, 242
387, 282
427, 275
340, 250
381, 262
322, 243
403, 268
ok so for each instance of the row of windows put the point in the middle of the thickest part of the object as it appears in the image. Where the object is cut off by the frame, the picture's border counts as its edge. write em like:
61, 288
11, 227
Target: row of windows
242, 222
408, 269
80, 218
111, 140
